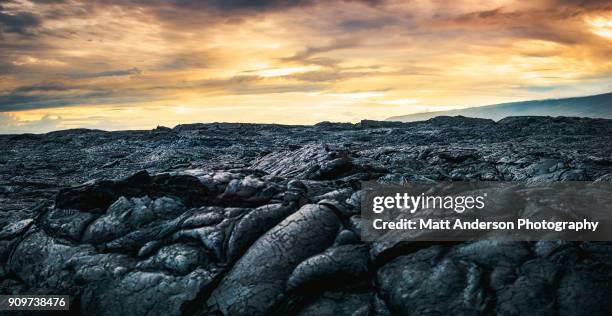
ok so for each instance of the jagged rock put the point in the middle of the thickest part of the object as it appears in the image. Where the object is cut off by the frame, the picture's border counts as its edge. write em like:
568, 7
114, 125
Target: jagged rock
67, 223
346, 237
100, 195
340, 303
257, 280
341, 264
177, 258
416, 284
253, 225
297, 164
125, 216
15, 228
145, 293
265, 219
332, 169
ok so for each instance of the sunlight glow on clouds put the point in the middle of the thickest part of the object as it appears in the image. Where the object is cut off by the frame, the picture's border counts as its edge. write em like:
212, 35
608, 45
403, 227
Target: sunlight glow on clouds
399, 102
601, 26
137, 64
278, 72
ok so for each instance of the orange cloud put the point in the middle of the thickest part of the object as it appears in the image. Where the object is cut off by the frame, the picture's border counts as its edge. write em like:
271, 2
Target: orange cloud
123, 64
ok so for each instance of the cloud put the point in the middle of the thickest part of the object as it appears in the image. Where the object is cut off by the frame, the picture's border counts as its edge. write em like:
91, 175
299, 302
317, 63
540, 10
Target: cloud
334, 75
21, 22
142, 53
110, 73
233, 5
539, 89
585, 4
311, 51
42, 87
188, 60
20, 102
48, 1
366, 24
48, 95
12, 125
497, 15
251, 85
247, 4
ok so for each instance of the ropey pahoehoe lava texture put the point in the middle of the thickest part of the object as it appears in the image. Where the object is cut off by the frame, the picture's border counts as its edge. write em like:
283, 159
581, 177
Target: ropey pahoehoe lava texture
251, 219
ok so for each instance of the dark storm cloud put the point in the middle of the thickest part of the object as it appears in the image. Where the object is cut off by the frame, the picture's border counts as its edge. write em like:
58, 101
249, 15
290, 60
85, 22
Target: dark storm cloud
245, 4
274, 4
43, 87
173, 12
6, 68
51, 94
181, 14
17, 102
20, 23
13, 103
231, 5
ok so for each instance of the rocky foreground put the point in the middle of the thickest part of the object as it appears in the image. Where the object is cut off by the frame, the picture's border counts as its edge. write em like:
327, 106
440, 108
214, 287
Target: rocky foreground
241, 219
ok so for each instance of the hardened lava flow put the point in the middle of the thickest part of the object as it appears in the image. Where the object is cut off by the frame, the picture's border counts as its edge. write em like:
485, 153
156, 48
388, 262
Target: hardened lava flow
247, 219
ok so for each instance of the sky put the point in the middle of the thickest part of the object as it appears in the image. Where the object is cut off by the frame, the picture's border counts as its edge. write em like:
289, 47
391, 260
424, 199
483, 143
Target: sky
113, 64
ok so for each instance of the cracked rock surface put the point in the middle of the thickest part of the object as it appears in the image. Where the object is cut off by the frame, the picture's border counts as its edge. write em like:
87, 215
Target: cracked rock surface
247, 219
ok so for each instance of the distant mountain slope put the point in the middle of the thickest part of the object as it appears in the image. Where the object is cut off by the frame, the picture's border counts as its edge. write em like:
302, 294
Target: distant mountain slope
596, 106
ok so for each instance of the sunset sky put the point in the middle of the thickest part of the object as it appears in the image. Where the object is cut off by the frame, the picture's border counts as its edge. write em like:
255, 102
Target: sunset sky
137, 64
